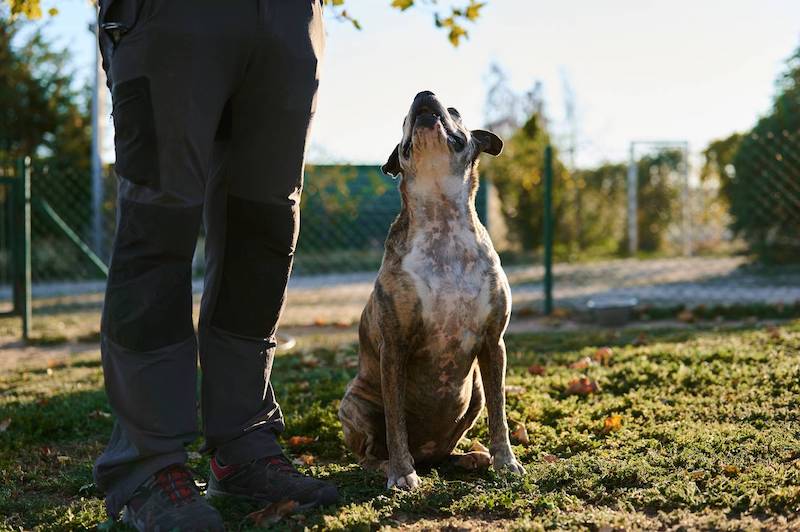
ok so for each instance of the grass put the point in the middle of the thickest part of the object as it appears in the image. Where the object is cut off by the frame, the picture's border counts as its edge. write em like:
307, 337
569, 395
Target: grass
709, 439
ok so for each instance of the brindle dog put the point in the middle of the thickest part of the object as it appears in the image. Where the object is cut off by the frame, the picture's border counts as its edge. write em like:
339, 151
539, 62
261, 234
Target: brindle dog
431, 335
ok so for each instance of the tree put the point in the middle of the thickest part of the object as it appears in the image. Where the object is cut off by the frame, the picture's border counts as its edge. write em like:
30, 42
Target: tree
452, 20
762, 178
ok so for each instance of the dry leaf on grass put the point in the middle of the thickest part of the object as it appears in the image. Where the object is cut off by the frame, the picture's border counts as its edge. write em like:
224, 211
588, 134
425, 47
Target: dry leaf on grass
583, 363
536, 369
273, 513
550, 458
54, 363
520, 435
731, 470
343, 324
5, 424
351, 362
612, 423
582, 386
305, 460
98, 414
774, 332
515, 390
319, 322
63, 459
686, 316
603, 355
296, 441
697, 475
303, 386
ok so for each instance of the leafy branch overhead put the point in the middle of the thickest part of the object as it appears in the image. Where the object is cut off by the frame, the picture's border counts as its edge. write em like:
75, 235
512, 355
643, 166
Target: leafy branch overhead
452, 19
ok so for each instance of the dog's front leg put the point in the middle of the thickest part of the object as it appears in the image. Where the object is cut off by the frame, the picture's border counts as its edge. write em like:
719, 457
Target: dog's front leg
401, 471
492, 361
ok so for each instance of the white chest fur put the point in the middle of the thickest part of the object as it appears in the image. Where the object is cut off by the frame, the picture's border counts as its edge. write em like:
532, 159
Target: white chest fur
450, 274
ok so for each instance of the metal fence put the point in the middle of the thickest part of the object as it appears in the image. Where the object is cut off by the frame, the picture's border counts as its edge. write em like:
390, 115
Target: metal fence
668, 228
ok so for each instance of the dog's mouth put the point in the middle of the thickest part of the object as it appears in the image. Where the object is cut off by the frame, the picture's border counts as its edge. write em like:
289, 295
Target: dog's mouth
428, 115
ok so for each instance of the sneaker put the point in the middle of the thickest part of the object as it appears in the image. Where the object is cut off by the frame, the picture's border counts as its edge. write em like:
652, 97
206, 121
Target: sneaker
170, 500
269, 480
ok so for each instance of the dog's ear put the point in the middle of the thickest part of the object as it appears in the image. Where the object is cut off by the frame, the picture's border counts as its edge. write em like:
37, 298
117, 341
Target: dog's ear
392, 165
488, 141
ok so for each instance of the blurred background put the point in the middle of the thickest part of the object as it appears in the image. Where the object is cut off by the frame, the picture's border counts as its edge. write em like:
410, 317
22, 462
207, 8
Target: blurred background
674, 129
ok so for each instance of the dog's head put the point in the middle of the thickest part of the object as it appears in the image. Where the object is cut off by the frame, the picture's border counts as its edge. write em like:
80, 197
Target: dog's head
436, 141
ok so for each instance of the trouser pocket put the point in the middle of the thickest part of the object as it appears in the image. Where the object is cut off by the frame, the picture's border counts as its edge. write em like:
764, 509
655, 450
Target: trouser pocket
135, 139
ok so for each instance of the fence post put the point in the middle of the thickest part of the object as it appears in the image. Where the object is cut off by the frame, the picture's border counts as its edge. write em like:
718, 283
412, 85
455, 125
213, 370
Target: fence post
548, 230
22, 245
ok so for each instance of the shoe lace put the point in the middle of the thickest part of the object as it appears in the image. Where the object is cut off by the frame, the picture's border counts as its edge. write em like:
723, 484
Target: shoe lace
177, 484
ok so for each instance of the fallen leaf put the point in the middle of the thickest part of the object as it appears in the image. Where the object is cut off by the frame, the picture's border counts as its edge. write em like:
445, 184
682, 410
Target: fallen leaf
582, 386
305, 460
97, 414
686, 316
515, 390
343, 324
273, 513
53, 363
351, 362
697, 475
303, 386
63, 459
521, 435
560, 313
478, 447
474, 460
583, 363
550, 458
612, 423
774, 332
320, 322
603, 355
5, 424
296, 441
194, 455
730, 470
537, 369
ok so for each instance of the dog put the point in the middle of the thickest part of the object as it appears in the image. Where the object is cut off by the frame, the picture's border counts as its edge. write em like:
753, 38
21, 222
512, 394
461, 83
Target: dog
431, 334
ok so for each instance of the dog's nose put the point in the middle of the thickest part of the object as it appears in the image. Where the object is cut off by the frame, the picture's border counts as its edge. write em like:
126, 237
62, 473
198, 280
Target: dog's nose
424, 94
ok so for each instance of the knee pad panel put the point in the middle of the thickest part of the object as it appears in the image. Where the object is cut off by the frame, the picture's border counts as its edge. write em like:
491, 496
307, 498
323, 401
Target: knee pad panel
259, 246
149, 296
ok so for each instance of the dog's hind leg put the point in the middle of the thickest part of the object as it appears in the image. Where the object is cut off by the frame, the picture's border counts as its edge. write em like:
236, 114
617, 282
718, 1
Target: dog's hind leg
364, 431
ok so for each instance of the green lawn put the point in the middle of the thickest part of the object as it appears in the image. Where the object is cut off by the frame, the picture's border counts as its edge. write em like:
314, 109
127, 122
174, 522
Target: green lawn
708, 437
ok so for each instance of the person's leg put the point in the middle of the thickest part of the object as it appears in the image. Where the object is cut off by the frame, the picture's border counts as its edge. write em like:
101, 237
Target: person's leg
252, 226
171, 74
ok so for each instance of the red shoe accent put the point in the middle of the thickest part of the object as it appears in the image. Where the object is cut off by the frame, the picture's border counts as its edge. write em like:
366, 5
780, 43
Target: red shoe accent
222, 471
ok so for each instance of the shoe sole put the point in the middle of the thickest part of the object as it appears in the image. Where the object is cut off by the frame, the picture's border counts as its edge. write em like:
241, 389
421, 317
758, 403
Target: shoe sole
211, 493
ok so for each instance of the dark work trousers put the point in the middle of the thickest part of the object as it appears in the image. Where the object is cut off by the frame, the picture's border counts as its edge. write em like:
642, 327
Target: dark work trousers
212, 103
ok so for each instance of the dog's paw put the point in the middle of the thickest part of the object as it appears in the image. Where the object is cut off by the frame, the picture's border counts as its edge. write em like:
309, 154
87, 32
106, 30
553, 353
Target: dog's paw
404, 482
507, 462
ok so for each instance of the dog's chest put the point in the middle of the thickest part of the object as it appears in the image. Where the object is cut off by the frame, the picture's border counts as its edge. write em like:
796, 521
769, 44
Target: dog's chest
449, 270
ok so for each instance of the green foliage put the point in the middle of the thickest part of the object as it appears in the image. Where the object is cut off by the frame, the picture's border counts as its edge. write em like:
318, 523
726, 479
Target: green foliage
764, 186
518, 176
601, 209
658, 187
707, 440
41, 112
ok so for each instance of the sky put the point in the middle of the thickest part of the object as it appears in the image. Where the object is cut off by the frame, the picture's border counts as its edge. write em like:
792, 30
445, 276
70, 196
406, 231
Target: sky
692, 70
